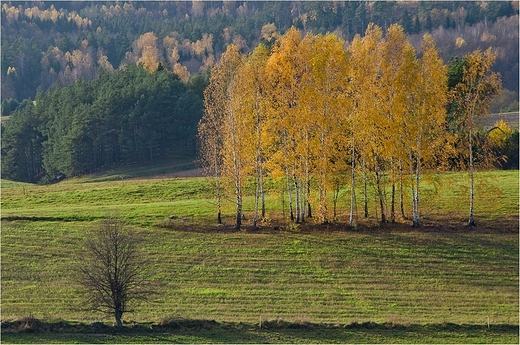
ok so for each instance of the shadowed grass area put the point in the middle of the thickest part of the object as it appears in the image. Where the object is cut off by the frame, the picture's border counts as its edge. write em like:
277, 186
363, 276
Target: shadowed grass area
272, 331
133, 171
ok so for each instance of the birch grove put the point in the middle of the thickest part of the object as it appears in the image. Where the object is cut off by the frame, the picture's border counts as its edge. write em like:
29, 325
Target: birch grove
316, 115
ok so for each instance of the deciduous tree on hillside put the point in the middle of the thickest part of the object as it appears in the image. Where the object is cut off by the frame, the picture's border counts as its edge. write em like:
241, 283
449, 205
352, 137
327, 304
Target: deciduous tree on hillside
325, 109
285, 72
470, 101
425, 118
221, 128
251, 95
366, 58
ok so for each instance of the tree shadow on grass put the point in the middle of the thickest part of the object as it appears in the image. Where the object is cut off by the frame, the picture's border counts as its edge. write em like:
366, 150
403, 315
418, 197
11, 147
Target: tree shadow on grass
30, 330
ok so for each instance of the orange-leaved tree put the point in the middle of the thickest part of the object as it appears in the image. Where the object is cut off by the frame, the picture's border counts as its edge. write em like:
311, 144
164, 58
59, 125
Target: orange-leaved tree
425, 118
285, 71
250, 94
325, 111
365, 95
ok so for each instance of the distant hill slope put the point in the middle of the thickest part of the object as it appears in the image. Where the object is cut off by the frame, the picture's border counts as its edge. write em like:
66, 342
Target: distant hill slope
45, 44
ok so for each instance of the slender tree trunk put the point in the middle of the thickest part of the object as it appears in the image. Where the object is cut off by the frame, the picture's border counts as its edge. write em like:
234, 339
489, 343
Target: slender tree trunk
365, 195
401, 195
414, 187
307, 204
219, 203
297, 201
217, 186
262, 190
259, 185
236, 166
379, 191
289, 194
309, 208
416, 195
336, 197
258, 162
321, 199
352, 188
471, 221
392, 206
238, 223
257, 197
303, 201
323, 203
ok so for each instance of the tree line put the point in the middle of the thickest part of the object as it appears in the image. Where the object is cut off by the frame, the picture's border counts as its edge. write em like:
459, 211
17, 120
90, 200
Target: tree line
319, 115
46, 43
126, 116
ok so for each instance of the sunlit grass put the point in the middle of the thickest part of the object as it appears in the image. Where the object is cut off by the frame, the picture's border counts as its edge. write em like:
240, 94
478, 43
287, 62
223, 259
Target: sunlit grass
444, 197
407, 277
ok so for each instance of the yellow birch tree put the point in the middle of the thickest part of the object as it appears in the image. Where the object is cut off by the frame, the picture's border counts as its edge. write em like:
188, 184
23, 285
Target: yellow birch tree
364, 90
392, 108
284, 73
219, 128
250, 95
424, 122
470, 101
326, 106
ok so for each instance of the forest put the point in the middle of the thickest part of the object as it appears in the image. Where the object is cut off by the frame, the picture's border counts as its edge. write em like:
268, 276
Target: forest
122, 117
45, 44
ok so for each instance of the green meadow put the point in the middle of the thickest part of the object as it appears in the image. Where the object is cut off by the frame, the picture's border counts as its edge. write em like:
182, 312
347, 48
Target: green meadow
441, 283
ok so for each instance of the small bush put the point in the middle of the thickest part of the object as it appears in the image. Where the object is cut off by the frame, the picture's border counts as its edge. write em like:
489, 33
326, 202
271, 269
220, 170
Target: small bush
293, 227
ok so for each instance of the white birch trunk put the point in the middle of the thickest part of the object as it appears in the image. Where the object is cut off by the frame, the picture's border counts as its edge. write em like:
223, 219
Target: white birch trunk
471, 220
352, 189
380, 191
236, 163
289, 194
401, 193
365, 196
416, 195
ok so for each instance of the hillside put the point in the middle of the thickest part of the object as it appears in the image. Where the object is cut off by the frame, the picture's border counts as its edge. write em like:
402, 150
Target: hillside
45, 44
97, 108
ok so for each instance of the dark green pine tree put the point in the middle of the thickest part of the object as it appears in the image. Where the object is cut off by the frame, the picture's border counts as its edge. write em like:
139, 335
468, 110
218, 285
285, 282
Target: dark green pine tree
406, 22
428, 25
22, 146
416, 25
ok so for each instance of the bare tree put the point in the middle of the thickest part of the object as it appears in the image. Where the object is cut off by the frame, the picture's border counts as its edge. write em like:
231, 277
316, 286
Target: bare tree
111, 269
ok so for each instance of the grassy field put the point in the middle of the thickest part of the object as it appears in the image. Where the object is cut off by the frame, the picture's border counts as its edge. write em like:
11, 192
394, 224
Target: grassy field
441, 283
